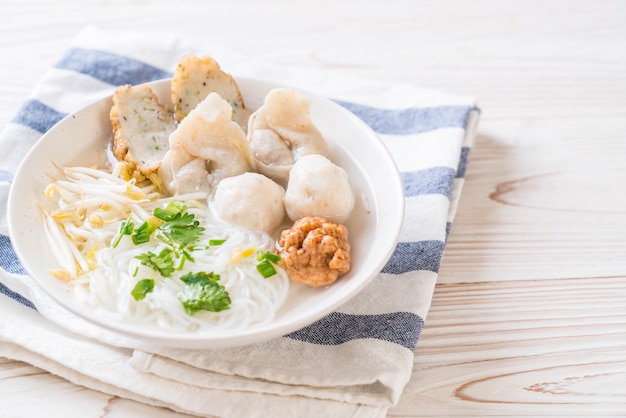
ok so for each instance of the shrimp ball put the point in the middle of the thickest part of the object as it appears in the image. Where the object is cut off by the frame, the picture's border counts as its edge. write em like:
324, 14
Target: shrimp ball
315, 251
251, 201
318, 187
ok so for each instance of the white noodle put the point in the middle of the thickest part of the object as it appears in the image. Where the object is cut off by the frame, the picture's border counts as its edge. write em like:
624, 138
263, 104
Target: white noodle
92, 204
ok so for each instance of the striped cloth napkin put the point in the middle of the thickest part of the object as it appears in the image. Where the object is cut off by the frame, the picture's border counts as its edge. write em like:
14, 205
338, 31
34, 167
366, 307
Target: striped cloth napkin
354, 362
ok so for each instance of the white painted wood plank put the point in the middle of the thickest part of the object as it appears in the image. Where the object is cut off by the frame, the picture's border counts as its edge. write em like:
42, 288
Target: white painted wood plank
528, 315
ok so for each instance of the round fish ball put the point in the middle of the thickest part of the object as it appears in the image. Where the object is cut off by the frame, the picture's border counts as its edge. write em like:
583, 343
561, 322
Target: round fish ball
318, 187
251, 201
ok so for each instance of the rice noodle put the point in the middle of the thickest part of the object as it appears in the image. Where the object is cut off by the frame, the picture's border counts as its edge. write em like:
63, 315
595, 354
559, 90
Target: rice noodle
91, 206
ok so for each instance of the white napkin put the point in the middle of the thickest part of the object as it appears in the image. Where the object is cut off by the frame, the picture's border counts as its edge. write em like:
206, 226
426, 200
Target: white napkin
354, 362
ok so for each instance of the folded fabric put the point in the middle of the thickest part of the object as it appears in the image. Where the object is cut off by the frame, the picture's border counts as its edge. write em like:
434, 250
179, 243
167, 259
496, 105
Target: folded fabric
353, 362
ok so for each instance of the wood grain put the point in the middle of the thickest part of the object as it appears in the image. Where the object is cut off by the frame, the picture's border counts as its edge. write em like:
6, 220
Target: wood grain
546, 348
528, 317
540, 208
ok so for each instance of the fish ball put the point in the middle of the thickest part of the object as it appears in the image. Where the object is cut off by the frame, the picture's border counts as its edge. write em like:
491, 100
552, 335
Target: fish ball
251, 201
318, 187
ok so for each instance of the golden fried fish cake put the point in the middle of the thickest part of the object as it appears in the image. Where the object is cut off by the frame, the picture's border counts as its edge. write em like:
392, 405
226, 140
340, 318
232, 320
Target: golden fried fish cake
141, 129
196, 77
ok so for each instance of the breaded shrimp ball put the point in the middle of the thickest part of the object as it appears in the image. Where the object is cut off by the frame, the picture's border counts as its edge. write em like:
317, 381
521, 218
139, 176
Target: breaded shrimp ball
315, 251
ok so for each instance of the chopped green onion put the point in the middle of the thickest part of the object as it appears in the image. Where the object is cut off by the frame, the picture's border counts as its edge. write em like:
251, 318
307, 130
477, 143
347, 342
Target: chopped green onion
274, 258
142, 234
188, 256
183, 257
171, 210
216, 242
266, 266
126, 228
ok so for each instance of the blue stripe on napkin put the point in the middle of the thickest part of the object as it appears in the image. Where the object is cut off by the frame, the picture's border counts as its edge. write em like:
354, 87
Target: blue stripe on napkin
8, 258
434, 180
410, 120
401, 328
111, 68
412, 256
37, 116
9, 262
448, 229
460, 171
16, 296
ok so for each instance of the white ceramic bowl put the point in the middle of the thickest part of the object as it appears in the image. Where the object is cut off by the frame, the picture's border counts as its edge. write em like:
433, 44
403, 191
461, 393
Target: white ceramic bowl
81, 139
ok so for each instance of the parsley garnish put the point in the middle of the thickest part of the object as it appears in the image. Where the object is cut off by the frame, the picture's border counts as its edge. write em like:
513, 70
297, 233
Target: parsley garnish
204, 294
179, 230
174, 227
179, 227
182, 229
162, 262
200, 277
142, 288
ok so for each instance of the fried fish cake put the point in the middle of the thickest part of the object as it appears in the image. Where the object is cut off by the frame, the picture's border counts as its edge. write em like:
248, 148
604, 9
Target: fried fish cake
196, 77
141, 129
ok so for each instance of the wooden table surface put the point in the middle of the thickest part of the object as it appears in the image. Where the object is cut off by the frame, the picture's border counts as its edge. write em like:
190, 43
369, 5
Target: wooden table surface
529, 315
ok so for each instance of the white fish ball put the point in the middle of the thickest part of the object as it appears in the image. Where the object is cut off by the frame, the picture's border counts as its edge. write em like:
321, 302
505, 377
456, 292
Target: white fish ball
318, 187
251, 201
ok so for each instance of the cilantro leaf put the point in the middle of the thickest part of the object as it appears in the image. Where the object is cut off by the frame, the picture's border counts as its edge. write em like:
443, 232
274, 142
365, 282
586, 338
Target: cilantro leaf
142, 288
174, 226
162, 262
200, 277
209, 296
182, 228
